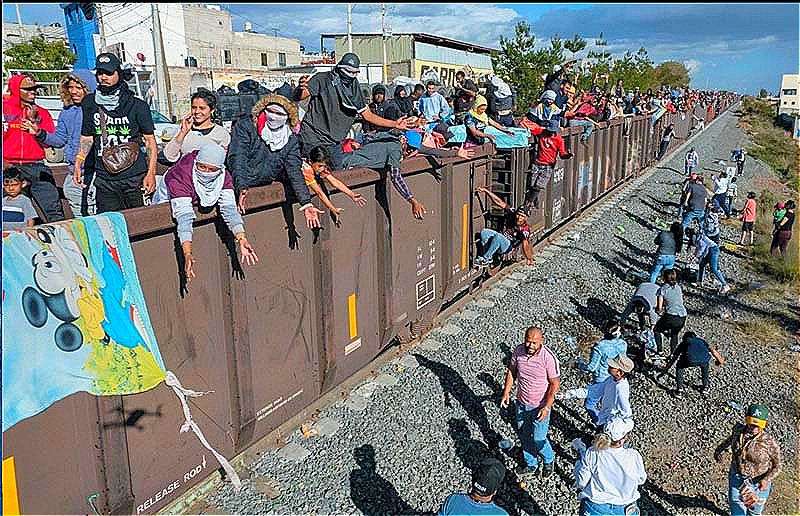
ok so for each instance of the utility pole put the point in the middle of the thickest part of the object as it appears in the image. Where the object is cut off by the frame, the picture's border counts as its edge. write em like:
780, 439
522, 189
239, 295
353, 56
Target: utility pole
383, 42
19, 22
162, 75
349, 27
99, 16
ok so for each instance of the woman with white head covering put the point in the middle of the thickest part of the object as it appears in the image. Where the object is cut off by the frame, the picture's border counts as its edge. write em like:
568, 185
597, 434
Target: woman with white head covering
200, 178
608, 474
501, 101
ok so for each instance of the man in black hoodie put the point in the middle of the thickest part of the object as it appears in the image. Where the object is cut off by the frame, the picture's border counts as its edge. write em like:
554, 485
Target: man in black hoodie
382, 107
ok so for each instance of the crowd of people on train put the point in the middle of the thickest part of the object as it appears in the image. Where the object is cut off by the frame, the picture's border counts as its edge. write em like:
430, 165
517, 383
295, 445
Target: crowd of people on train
108, 138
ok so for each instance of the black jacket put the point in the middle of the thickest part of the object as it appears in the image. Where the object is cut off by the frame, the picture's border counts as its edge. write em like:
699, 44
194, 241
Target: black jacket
252, 163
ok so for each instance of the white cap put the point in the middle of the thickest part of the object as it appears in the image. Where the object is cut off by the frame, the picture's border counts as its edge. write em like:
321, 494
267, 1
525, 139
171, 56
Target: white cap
618, 428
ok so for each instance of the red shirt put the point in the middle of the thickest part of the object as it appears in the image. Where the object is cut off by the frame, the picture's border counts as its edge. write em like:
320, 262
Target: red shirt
21, 146
749, 211
550, 147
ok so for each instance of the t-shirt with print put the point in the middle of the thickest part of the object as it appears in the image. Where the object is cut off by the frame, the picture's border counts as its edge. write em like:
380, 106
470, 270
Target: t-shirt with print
17, 212
514, 232
310, 177
128, 122
533, 374
327, 121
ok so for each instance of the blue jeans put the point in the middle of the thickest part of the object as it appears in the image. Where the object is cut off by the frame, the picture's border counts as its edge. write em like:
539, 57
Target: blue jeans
533, 435
592, 400
730, 205
691, 215
721, 202
665, 261
590, 508
711, 259
587, 127
492, 241
736, 506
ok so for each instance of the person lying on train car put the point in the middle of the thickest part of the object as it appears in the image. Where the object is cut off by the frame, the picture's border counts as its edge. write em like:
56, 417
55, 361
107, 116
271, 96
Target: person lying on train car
264, 149
517, 233
316, 168
200, 178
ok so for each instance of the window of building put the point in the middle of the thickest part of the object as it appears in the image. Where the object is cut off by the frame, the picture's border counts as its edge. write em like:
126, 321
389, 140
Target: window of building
790, 92
281, 59
227, 56
263, 59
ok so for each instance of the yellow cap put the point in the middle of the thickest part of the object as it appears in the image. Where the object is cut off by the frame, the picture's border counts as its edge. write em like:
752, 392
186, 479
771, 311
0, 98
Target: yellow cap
761, 423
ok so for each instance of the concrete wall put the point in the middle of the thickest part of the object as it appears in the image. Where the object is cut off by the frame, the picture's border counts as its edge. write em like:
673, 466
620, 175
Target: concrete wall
370, 48
789, 98
132, 27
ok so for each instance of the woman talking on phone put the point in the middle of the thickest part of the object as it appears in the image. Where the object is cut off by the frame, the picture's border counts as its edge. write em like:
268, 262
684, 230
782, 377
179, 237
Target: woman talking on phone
197, 128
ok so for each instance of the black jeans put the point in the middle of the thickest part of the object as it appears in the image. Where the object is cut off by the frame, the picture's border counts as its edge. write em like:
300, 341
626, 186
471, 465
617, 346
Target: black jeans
680, 371
662, 149
671, 324
631, 308
120, 194
43, 189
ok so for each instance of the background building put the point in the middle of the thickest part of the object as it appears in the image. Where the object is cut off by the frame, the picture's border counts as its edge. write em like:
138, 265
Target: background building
14, 33
413, 54
789, 99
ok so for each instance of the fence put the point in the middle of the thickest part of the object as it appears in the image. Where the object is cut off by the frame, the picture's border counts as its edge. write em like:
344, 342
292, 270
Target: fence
271, 339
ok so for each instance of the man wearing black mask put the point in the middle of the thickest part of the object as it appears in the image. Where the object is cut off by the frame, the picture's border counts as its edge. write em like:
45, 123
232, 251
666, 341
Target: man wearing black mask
382, 107
335, 100
126, 119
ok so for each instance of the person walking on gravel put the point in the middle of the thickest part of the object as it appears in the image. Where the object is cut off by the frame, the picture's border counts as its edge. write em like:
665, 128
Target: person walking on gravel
748, 217
706, 251
673, 312
692, 352
690, 162
755, 462
609, 474
611, 346
695, 199
538, 375
486, 480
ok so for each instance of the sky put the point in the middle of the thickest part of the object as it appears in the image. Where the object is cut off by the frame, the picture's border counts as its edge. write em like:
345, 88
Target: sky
741, 47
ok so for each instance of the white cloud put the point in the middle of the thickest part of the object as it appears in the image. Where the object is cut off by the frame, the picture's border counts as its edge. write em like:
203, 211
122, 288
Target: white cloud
692, 66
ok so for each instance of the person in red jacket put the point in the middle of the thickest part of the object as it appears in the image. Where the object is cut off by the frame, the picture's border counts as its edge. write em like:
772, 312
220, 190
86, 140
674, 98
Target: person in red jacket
22, 119
551, 146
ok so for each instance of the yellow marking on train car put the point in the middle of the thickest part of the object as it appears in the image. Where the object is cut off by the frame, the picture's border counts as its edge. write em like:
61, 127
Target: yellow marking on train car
10, 498
351, 306
464, 236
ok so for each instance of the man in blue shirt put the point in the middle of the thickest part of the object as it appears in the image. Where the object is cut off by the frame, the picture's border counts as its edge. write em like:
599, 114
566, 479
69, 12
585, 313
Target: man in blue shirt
486, 480
433, 105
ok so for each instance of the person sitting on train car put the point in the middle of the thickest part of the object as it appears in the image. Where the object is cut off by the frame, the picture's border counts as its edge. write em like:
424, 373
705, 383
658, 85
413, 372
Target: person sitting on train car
316, 169
200, 178
476, 121
404, 103
545, 110
580, 116
197, 128
382, 107
517, 233
335, 100
550, 147
264, 149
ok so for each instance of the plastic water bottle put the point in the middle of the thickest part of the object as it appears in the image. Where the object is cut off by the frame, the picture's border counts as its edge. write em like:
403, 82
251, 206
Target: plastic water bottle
573, 346
734, 406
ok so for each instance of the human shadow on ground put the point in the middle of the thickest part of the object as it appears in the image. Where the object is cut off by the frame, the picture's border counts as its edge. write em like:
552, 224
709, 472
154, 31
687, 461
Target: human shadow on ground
683, 502
670, 169
596, 311
471, 452
641, 221
372, 494
454, 386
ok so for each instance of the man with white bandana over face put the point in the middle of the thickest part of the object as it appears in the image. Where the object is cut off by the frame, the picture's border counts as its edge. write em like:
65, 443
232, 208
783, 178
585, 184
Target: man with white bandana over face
264, 149
200, 178
335, 100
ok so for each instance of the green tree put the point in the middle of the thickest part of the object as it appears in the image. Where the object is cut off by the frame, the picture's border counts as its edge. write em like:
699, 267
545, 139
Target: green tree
575, 45
763, 93
672, 73
38, 54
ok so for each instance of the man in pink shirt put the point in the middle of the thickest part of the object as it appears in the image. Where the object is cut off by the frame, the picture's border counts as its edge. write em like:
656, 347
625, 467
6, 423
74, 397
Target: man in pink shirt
536, 370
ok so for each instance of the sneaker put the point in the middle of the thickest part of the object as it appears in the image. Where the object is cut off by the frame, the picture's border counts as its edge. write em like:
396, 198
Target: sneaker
724, 290
480, 261
525, 471
658, 357
695, 284
547, 470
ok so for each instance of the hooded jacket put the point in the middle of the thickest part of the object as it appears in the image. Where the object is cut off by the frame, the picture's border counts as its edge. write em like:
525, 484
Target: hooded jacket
70, 121
252, 163
20, 146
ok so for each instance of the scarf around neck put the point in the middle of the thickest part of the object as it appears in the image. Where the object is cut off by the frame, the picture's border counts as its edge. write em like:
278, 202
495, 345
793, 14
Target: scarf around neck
480, 100
277, 136
347, 88
209, 185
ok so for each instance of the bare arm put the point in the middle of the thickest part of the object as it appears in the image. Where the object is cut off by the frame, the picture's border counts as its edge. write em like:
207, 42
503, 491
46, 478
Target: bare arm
84, 148
498, 201
500, 127
527, 250
336, 183
149, 182
374, 119
509, 383
549, 398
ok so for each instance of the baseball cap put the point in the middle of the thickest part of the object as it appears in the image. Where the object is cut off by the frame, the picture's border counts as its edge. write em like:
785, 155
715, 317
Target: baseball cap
621, 362
757, 414
618, 428
488, 477
108, 62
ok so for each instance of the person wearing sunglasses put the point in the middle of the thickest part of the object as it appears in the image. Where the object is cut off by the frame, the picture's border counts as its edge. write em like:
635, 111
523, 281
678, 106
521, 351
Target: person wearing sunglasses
22, 119
126, 119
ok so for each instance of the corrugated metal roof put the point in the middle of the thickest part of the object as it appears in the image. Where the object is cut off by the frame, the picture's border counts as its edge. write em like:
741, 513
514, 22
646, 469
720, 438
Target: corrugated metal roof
423, 38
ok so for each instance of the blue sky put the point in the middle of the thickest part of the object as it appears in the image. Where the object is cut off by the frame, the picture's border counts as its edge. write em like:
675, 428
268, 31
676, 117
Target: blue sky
731, 46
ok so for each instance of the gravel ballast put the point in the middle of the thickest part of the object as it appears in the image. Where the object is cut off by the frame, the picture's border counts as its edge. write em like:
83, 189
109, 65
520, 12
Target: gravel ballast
402, 444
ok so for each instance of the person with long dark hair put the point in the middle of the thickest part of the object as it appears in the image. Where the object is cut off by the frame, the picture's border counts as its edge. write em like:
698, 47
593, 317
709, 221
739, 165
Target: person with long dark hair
670, 244
783, 230
198, 128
